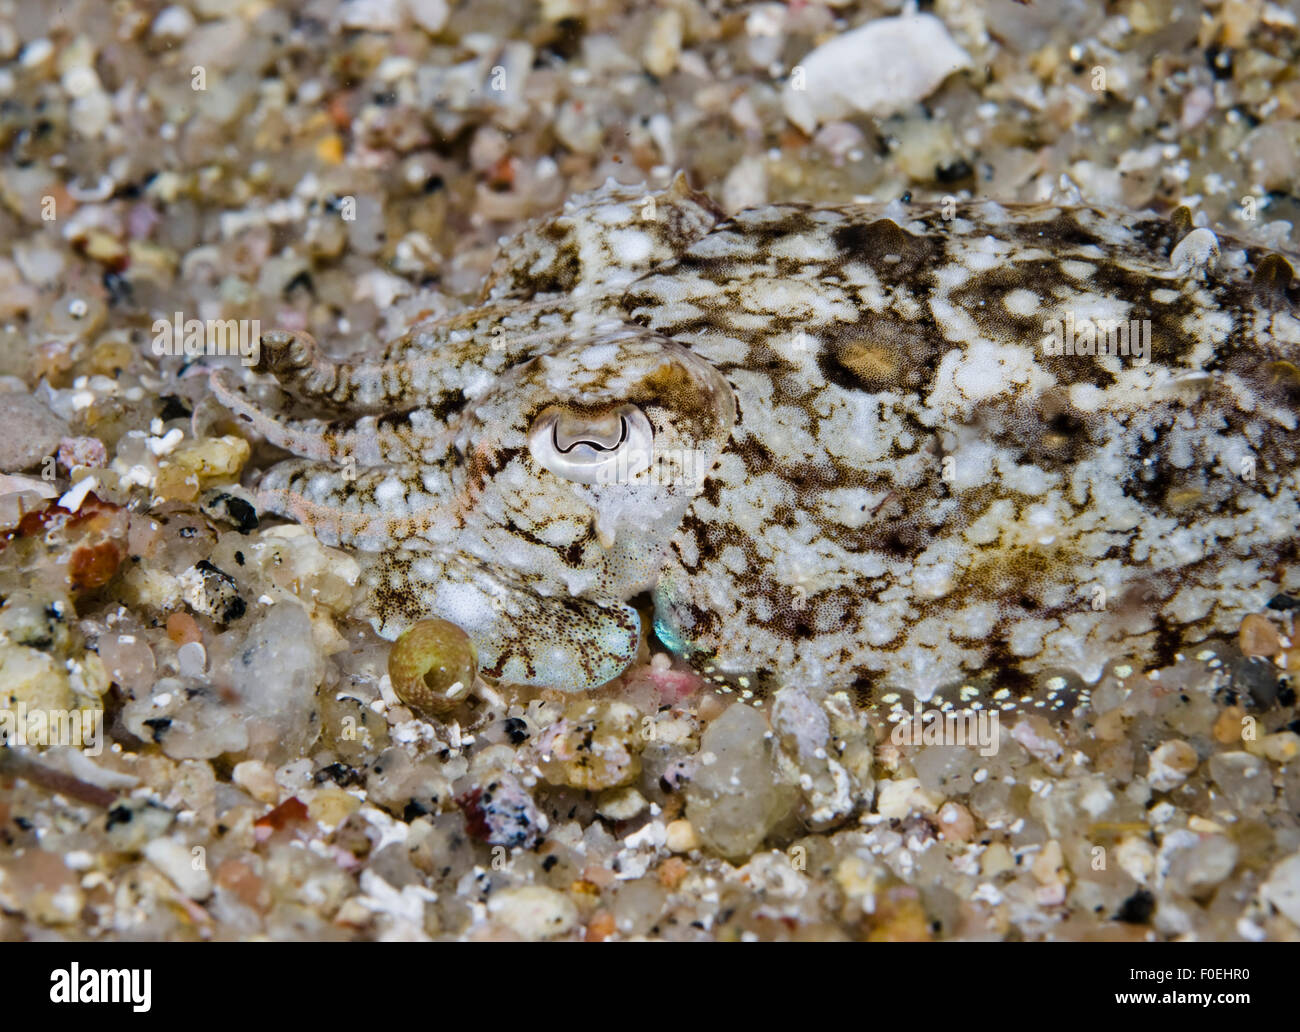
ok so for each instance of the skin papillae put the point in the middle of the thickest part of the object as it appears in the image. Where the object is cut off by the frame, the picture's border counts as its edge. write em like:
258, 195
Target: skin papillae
870, 471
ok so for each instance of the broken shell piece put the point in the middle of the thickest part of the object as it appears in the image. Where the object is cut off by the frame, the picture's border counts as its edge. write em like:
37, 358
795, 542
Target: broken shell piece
1196, 252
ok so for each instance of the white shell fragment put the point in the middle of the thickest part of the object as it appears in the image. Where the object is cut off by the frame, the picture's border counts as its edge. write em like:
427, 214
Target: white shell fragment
880, 68
1195, 252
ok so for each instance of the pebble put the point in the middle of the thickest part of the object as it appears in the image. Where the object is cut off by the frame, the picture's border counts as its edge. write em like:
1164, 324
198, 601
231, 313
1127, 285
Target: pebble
191, 659
1048, 867
665, 43
1282, 889
1244, 779
621, 804
879, 68
681, 836
503, 813
1038, 736
430, 15
534, 912
737, 796
745, 185
275, 676
183, 628
1280, 747
803, 730
29, 432
82, 451
1171, 763
258, 780
1258, 636
1228, 725
596, 745
39, 884
31, 677
956, 823
332, 806
898, 797
174, 22
182, 867
374, 15
996, 859
133, 822
1192, 864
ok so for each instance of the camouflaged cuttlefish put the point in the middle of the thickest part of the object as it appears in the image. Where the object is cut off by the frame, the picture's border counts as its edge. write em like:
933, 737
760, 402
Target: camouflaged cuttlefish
862, 446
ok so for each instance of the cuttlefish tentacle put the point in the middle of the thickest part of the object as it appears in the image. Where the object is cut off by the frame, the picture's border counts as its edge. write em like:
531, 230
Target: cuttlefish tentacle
428, 365
408, 374
414, 435
369, 509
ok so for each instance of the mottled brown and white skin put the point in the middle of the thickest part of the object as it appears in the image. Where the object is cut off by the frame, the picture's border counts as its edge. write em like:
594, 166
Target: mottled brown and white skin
889, 482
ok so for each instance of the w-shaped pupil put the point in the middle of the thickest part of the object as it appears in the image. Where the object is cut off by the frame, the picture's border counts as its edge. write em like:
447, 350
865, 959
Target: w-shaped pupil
608, 437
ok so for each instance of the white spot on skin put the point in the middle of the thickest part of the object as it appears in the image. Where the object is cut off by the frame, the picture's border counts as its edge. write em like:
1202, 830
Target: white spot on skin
1022, 302
933, 581
390, 493
1078, 270
985, 370
630, 246
985, 253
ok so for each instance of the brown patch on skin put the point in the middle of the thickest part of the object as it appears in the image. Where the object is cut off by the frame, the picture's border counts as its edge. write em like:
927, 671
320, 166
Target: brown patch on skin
711, 538
1278, 382
560, 275
891, 252
673, 389
998, 573
722, 270
1150, 476
782, 220
981, 298
1052, 433
881, 352
447, 405
795, 614
1180, 224
1272, 282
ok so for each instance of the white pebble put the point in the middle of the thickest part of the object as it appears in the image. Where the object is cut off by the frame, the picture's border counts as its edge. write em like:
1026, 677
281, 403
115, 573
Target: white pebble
73, 498
880, 68
1195, 251
167, 443
192, 659
35, 53
173, 23
430, 15
533, 911
185, 870
1283, 888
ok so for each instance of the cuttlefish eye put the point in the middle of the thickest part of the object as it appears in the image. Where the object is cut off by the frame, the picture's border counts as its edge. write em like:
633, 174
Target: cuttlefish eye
604, 448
